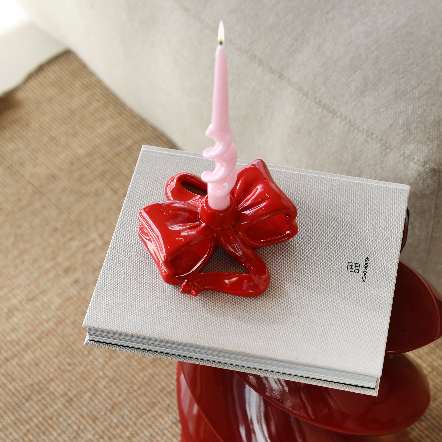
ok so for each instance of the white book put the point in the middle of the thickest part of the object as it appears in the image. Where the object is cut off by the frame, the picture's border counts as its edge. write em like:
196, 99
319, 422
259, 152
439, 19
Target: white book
324, 317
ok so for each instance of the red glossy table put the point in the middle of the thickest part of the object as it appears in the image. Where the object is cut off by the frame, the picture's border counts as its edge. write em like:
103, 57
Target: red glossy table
224, 405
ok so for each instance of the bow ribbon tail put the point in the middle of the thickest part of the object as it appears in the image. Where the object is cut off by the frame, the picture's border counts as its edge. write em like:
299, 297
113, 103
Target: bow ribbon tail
247, 285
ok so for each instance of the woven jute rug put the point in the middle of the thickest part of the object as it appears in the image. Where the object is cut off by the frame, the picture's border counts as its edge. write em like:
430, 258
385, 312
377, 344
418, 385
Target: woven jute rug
68, 148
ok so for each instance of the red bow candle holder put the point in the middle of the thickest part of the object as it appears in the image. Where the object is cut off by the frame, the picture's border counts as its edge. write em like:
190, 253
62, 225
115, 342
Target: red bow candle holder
182, 233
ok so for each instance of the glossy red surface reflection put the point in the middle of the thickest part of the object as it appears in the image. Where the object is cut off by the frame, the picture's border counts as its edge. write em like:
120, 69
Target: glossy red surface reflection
194, 427
403, 397
212, 401
416, 315
183, 233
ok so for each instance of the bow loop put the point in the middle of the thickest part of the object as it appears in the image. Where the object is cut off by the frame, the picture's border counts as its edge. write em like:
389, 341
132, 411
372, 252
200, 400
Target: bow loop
267, 216
175, 238
180, 186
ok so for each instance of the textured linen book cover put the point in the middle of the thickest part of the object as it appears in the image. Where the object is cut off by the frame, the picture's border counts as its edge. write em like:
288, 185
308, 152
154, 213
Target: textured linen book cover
329, 300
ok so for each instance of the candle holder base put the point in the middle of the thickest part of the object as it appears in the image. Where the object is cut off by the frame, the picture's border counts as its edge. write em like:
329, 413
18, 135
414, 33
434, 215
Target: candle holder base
183, 233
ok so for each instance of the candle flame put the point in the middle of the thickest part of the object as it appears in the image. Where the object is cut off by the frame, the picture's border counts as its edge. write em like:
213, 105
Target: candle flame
221, 32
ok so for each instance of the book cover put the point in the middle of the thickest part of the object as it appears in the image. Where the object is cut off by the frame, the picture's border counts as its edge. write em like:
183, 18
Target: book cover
324, 318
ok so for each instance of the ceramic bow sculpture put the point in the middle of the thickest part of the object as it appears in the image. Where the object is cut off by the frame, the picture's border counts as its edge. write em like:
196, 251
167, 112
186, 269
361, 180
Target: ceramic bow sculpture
183, 233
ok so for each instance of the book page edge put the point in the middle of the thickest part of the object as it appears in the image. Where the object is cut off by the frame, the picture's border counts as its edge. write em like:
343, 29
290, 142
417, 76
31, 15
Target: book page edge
334, 385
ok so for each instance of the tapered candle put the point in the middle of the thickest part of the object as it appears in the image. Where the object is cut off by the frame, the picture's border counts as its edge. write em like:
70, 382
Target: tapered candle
222, 179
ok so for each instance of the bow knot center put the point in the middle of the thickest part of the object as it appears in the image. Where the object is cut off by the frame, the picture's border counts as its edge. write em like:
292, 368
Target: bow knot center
218, 219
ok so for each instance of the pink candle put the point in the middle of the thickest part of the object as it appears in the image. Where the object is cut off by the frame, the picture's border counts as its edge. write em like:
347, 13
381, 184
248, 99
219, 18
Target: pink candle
222, 179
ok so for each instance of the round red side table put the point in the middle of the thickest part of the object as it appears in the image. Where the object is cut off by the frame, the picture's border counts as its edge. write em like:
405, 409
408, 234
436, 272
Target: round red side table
225, 405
